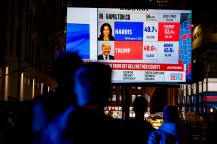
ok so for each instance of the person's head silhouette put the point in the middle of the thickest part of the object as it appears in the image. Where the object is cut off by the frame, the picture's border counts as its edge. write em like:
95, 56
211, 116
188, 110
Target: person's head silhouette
140, 105
92, 84
64, 68
171, 114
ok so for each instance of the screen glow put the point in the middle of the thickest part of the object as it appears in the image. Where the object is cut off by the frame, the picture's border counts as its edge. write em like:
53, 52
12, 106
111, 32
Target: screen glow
146, 46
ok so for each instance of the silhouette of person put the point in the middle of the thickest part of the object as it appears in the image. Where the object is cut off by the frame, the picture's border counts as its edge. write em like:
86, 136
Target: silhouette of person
88, 123
172, 131
138, 128
106, 49
106, 32
46, 107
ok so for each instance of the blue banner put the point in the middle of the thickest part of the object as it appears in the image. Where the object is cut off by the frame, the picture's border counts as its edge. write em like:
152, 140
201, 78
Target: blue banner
128, 31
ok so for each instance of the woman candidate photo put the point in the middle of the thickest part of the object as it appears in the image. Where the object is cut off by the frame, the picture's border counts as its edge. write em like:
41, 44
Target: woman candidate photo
106, 32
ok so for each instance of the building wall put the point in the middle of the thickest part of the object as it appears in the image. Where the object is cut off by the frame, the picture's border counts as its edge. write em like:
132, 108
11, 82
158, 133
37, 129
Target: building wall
1, 83
31, 39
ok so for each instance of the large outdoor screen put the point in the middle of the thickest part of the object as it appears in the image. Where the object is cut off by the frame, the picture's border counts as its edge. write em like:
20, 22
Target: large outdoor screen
141, 46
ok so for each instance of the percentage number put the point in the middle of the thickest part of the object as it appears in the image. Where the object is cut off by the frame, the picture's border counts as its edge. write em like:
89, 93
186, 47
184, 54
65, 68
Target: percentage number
149, 48
150, 29
168, 50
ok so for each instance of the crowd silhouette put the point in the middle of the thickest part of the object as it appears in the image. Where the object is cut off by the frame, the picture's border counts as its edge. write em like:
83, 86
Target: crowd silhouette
74, 113
87, 123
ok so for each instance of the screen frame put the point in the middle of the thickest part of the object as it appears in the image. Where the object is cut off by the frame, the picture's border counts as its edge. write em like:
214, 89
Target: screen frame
93, 42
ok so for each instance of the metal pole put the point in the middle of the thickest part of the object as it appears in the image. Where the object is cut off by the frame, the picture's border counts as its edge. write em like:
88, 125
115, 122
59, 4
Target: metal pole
126, 102
19, 43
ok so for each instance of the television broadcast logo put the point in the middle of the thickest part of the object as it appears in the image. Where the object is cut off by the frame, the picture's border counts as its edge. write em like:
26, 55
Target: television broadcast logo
176, 76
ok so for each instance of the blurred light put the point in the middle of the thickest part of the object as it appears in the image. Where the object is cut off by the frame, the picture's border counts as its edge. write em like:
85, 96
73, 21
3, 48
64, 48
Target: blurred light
42, 85
212, 108
33, 88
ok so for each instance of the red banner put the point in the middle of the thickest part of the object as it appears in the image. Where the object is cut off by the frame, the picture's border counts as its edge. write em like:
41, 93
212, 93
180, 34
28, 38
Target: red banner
168, 31
143, 66
128, 50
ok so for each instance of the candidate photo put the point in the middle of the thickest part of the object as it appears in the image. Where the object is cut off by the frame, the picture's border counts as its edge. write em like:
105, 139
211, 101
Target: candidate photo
106, 32
106, 52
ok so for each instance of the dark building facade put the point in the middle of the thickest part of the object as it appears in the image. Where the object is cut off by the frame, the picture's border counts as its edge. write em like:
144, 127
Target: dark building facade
31, 35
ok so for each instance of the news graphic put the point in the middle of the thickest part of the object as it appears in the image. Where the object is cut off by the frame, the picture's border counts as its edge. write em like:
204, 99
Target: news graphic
78, 39
168, 31
150, 31
149, 46
168, 52
128, 50
81, 32
150, 52
128, 31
